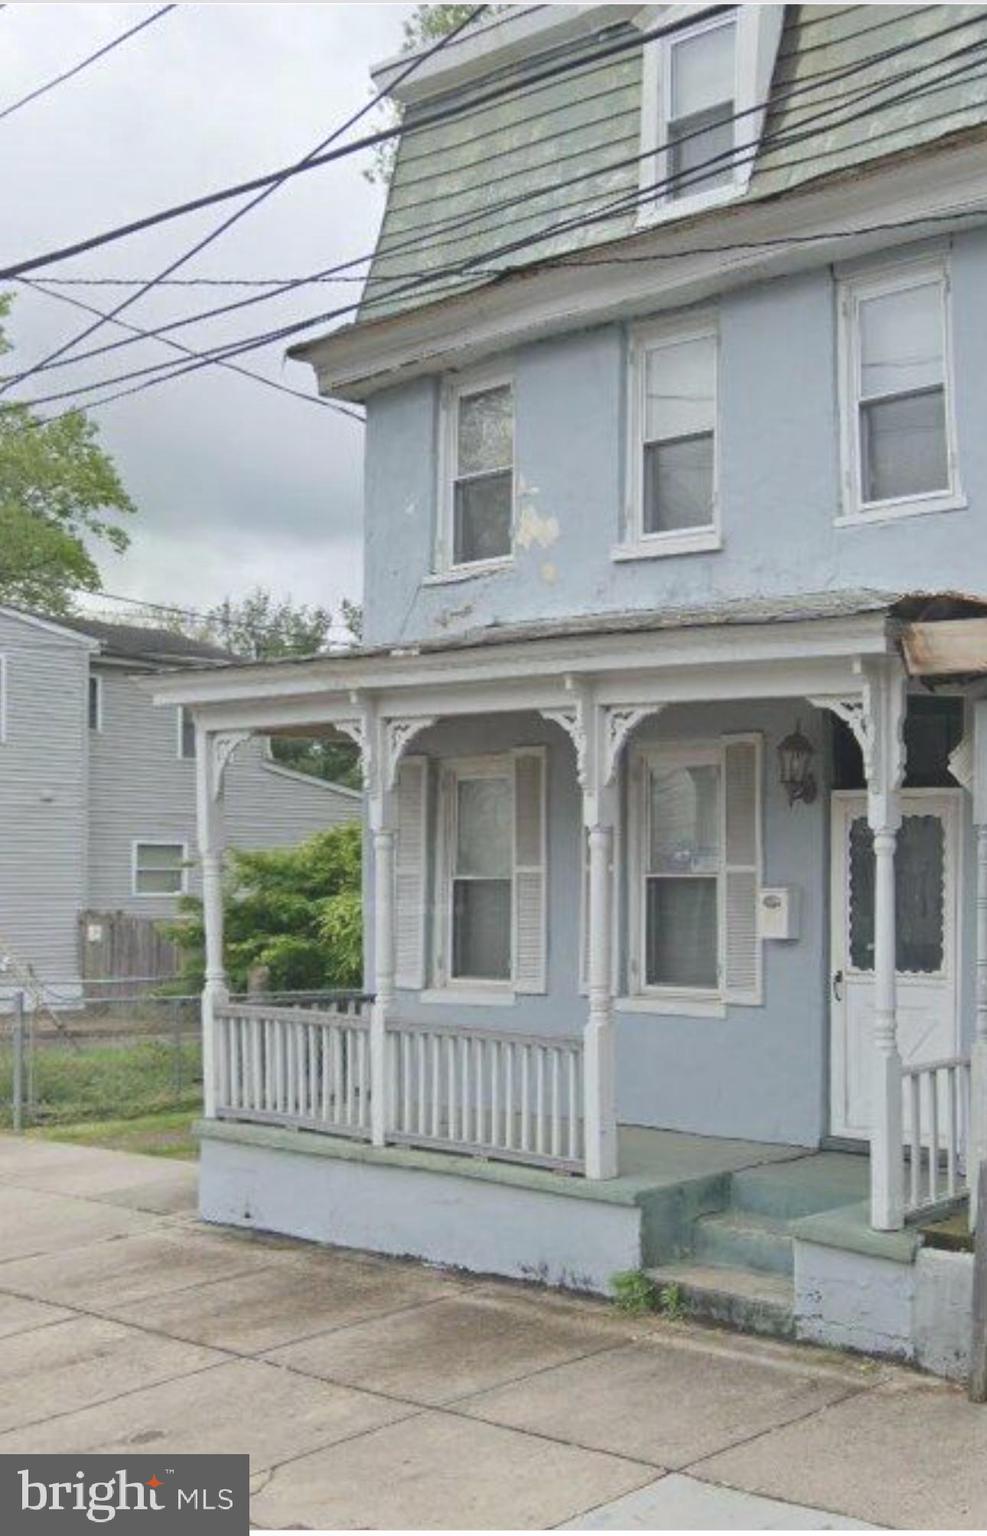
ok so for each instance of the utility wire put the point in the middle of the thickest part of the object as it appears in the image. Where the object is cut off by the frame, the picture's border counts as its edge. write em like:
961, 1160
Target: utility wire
77, 69
239, 213
734, 156
355, 146
177, 346
456, 224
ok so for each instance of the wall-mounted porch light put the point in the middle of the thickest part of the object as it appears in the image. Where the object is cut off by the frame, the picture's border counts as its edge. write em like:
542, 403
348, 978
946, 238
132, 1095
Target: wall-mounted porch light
795, 755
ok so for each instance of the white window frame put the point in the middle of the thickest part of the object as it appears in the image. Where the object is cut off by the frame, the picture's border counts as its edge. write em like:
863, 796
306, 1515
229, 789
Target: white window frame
852, 291
453, 390
158, 842
453, 772
187, 757
698, 1002
643, 340
655, 103
94, 679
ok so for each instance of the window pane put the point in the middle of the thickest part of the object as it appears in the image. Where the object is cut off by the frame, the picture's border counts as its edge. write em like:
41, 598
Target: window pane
681, 937
685, 820
481, 929
679, 389
486, 431
919, 895
484, 836
159, 882
901, 341
694, 142
702, 71
94, 703
903, 446
188, 733
159, 856
678, 484
483, 518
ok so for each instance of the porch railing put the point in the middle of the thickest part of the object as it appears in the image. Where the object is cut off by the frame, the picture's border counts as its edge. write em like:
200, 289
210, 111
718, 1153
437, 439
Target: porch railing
518, 1098
480, 1092
937, 1119
307, 1067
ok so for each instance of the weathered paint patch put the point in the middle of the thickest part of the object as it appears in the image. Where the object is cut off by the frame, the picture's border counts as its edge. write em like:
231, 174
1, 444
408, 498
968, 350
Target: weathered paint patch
532, 527
549, 573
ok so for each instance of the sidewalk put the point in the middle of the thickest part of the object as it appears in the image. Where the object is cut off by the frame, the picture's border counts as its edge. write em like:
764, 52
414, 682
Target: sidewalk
376, 1393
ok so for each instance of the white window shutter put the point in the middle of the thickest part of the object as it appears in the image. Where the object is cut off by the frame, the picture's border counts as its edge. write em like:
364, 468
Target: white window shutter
410, 873
742, 868
530, 874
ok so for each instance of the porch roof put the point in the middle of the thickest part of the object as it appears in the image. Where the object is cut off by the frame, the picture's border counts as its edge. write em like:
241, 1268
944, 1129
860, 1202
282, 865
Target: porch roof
804, 644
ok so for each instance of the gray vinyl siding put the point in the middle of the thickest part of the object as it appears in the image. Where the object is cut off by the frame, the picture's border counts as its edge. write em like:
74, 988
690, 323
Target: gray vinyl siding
142, 791
42, 799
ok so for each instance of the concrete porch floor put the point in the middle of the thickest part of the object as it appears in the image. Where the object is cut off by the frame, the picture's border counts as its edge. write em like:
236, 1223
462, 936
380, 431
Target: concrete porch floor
375, 1393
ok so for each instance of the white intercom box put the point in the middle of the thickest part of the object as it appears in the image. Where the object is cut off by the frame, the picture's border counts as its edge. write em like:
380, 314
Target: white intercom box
778, 912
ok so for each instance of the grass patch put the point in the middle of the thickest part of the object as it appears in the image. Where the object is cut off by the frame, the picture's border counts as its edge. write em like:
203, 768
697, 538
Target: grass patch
109, 1080
166, 1134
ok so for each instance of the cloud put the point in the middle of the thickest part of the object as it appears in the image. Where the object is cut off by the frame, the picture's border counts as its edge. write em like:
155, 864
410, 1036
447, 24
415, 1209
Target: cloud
235, 483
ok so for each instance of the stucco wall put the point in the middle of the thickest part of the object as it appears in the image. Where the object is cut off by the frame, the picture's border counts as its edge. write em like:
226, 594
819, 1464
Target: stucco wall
758, 1072
779, 480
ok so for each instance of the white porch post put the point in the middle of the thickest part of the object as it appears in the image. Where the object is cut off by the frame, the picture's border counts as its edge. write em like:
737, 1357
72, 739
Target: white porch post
977, 1150
213, 750
599, 1041
884, 709
383, 841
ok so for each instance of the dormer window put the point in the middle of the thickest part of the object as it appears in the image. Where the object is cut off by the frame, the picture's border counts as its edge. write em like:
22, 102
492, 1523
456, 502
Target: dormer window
699, 96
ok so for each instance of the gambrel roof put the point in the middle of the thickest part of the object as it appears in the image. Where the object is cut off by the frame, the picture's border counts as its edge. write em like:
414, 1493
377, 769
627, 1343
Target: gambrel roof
555, 151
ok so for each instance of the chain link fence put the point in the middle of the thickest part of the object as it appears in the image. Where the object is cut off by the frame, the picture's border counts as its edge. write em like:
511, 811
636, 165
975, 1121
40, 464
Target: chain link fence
108, 1049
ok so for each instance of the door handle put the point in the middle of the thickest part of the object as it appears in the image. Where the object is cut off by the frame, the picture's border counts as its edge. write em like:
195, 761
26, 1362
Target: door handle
837, 984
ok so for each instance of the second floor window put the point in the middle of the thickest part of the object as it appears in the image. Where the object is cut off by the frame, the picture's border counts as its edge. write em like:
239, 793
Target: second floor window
479, 494
673, 502
186, 732
897, 415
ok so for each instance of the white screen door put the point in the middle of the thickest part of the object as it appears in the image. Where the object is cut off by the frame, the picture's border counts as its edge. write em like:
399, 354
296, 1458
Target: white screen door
926, 882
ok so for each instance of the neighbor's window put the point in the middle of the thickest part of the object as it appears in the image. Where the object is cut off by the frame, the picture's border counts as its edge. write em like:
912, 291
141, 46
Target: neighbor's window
899, 427
186, 732
682, 875
482, 454
699, 91
482, 877
159, 869
95, 702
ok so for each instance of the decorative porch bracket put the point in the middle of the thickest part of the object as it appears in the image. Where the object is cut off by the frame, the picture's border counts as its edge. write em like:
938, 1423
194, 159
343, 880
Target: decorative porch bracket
383, 742
213, 753
598, 733
877, 721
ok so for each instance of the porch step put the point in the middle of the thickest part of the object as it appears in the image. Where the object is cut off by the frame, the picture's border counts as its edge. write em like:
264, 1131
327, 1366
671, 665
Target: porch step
743, 1239
754, 1302
802, 1186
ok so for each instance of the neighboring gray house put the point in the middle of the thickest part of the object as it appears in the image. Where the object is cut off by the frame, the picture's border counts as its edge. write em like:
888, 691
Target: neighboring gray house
97, 799
673, 695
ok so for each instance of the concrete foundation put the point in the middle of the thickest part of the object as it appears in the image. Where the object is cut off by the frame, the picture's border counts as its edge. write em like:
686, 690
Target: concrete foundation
489, 1227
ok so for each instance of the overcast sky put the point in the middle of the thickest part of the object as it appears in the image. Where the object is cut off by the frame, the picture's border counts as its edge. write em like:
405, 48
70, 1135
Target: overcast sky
235, 484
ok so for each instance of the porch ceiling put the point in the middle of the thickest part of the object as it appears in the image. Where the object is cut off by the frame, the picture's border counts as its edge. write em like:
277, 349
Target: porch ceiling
787, 647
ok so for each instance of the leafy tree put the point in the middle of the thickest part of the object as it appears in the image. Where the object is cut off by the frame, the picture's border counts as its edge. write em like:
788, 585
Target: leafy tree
59, 493
425, 25
296, 911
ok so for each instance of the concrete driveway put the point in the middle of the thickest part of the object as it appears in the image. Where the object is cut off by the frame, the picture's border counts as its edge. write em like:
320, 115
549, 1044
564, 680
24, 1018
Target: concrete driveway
374, 1393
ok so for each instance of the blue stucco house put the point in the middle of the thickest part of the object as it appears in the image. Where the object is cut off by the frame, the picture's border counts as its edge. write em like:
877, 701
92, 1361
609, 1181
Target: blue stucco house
671, 699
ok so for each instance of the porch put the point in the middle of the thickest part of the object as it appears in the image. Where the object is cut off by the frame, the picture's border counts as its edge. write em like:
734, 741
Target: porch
429, 1069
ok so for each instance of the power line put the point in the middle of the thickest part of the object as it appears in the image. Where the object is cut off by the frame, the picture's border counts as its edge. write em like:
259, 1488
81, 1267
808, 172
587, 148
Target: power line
211, 617
697, 174
355, 146
453, 227
91, 58
239, 213
177, 346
